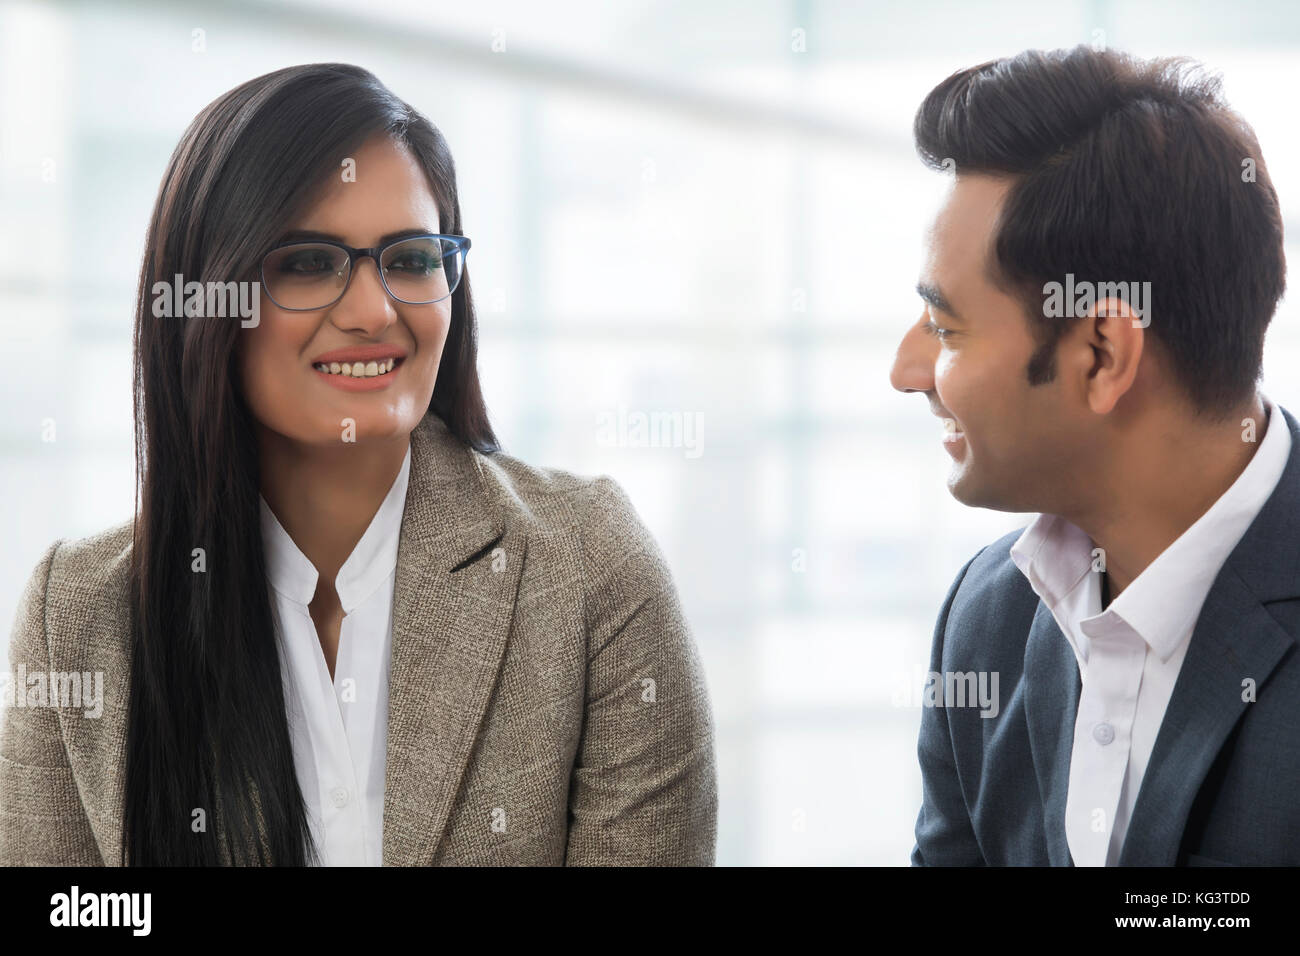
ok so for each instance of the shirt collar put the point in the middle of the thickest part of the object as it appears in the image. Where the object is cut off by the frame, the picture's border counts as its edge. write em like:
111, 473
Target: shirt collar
1163, 602
366, 568
1054, 555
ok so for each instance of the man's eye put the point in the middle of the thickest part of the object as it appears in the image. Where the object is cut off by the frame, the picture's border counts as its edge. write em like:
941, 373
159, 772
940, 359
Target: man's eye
937, 332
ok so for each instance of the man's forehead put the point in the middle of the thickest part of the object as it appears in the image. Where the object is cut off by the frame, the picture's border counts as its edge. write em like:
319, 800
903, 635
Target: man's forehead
961, 236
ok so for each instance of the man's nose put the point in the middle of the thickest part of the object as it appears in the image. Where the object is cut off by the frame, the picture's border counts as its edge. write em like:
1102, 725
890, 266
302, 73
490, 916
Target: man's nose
913, 369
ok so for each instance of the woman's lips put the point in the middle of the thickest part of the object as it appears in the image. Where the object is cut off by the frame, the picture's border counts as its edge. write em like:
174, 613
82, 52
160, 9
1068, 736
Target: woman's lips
364, 382
361, 353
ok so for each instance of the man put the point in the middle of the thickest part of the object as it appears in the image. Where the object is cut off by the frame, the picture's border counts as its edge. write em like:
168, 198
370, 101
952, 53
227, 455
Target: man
1097, 287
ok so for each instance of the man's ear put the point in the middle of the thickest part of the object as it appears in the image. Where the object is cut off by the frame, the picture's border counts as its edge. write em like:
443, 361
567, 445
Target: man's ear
1116, 335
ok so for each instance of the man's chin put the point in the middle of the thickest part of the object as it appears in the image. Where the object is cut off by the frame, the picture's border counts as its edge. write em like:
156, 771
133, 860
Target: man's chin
962, 490
973, 493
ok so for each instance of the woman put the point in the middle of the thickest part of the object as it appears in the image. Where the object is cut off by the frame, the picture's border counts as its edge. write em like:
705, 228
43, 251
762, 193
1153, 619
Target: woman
343, 627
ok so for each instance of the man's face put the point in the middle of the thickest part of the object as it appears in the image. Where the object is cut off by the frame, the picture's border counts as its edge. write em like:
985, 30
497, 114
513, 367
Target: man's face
968, 351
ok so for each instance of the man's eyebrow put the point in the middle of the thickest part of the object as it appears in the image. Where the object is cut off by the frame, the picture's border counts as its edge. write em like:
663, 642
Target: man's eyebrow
932, 294
308, 235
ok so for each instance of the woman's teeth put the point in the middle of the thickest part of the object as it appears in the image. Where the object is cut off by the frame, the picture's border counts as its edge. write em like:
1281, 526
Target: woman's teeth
357, 369
950, 430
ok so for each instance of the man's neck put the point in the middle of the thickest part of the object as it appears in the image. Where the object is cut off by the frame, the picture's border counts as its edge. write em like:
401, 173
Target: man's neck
1157, 490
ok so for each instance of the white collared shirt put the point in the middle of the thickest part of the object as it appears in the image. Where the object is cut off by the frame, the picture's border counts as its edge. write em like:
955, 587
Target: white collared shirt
339, 726
1130, 654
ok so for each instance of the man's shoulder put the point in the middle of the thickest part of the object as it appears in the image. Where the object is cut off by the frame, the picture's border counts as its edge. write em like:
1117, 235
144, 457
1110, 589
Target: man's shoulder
992, 570
996, 556
991, 600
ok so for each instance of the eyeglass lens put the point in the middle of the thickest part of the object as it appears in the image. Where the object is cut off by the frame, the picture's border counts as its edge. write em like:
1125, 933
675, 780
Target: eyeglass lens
312, 275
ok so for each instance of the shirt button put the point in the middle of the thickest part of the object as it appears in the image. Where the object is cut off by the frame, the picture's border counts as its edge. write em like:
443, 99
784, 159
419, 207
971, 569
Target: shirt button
1103, 733
340, 797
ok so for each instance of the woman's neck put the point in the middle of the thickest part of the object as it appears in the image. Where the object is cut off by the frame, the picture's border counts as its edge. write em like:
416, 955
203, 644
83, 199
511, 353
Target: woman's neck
325, 496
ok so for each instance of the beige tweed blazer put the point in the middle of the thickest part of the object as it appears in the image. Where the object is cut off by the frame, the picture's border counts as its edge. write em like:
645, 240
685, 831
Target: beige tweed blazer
547, 703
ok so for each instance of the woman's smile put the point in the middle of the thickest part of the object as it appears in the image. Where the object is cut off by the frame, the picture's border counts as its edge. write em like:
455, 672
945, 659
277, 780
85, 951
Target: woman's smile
362, 369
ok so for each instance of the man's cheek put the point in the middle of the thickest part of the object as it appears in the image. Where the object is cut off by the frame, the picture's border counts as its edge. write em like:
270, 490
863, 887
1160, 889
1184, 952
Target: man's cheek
952, 388
944, 364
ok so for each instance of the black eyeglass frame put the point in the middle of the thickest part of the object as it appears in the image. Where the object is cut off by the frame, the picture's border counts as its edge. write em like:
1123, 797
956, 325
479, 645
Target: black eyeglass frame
374, 252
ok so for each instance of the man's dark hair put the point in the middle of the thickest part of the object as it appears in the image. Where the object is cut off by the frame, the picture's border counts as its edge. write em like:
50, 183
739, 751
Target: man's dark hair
1125, 170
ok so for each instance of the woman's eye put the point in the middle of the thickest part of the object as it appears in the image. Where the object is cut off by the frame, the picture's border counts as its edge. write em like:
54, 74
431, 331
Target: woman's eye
418, 263
307, 264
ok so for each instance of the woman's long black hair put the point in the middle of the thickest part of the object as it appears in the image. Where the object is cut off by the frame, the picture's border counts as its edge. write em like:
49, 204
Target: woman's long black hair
209, 764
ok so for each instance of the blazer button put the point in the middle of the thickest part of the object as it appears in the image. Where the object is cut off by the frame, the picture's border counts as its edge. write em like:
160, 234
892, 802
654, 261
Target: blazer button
1103, 733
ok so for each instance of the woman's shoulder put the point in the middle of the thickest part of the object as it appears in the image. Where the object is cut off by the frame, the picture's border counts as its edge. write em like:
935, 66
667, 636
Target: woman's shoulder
543, 488
592, 511
555, 495
76, 604
95, 556
84, 575
529, 494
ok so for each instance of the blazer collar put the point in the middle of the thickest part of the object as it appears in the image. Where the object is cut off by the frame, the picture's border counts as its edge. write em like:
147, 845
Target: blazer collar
458, 570
1235, 637
450, 513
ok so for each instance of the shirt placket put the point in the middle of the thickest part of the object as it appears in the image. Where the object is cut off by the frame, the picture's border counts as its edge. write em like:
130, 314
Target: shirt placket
340, 797
1103, 732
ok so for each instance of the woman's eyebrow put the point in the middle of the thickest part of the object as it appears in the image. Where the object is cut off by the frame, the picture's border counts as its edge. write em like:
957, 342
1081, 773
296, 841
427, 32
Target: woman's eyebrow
299, 235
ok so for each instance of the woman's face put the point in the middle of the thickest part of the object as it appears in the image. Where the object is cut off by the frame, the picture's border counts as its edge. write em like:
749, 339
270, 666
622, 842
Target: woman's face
285, 391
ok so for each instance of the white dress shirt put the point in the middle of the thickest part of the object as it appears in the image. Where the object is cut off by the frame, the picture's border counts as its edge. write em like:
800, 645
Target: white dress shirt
1130, 654
339, 726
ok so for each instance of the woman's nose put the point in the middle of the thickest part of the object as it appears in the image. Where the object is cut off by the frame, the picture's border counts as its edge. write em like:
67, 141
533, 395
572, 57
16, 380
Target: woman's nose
366, 304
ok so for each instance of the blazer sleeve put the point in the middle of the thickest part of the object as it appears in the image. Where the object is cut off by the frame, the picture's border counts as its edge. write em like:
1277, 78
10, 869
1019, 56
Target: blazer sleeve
644, 784
42, 820
944, 834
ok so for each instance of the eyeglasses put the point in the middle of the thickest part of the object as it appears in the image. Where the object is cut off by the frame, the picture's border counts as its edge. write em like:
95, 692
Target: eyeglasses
419, 270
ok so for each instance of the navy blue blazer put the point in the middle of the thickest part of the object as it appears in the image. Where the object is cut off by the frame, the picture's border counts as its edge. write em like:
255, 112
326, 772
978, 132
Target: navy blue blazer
1223, 783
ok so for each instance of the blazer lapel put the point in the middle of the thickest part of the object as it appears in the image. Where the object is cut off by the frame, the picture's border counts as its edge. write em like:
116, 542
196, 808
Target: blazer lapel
1235, 638
1052, 688
453, 604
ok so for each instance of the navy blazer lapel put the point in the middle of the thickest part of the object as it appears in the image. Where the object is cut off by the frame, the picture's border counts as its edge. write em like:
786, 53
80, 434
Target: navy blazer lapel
1051, 678
1235, 639
454, 598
